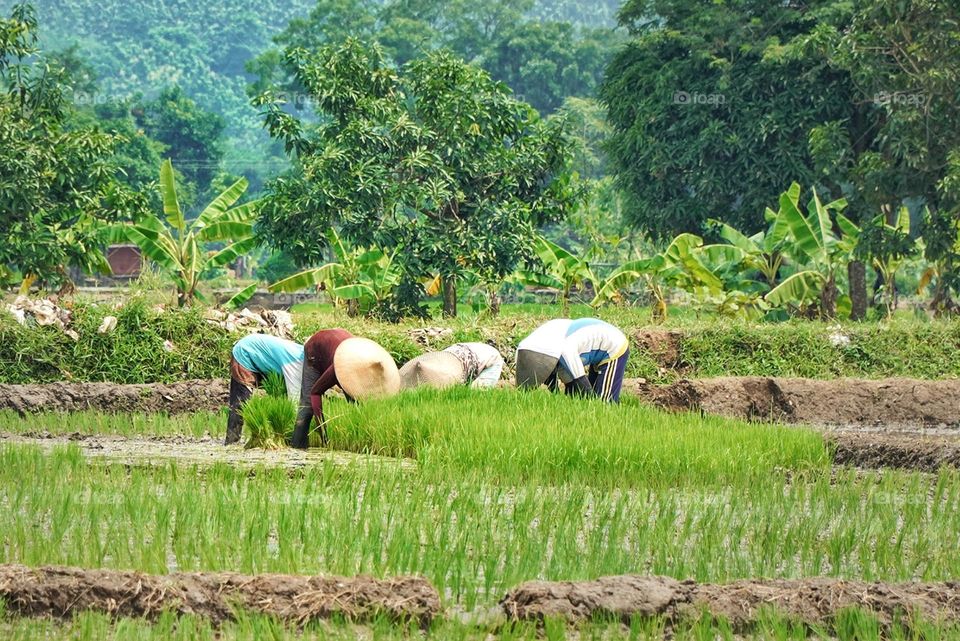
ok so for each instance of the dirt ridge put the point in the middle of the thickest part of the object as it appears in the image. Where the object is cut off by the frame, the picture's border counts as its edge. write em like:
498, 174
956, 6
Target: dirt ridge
843, 402
838, 402
172, 398
62, 591
813, 601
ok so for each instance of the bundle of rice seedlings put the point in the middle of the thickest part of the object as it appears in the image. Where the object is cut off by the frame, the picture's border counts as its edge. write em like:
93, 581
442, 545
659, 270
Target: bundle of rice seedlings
270, 420
274, 385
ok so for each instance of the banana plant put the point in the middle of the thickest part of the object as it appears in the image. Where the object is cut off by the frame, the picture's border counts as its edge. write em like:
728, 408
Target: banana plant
889, 246
562, 270
357, 279
176, 245
763, 251
680, 265
817, 253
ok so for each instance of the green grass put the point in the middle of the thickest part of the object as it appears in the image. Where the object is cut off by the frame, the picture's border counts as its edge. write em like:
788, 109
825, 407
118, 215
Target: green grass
710, 346
197, 425
98, 627
473, 538
516, 436
508, 436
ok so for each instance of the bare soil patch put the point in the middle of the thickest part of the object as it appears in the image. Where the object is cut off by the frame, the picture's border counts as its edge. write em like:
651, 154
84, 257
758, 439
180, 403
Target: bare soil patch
895, 402
663, 346
172, 398
906, 450
198, 451
813, 601
63, 591
844, 402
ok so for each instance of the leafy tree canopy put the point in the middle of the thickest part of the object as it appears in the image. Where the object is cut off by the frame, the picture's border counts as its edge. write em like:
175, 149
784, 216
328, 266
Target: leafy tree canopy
58, 180
708, 119
436, 160
543, 61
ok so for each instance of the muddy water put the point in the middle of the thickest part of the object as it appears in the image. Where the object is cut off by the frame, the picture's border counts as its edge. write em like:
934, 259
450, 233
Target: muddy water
200, 451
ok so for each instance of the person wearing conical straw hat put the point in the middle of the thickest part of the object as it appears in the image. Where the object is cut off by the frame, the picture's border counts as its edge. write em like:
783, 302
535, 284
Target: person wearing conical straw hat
587, 355
251, 359
476, 364
335, 357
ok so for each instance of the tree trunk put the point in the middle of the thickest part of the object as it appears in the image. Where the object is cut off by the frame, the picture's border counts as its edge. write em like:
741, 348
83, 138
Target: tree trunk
493, 300
828, 299
353, 308
450, 296
857, 274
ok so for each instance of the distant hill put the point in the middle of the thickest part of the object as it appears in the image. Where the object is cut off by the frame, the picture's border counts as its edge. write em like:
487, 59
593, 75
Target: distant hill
203, 46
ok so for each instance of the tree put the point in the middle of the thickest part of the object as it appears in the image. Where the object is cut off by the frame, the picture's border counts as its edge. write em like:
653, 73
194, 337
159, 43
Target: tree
176, 244
191, 135
709, 116
57, 179
898, 140
436, 163
816, 251
542, 61
547, 62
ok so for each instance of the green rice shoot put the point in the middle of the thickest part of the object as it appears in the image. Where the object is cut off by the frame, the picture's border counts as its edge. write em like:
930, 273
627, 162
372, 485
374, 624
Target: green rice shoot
269, 420
274, 385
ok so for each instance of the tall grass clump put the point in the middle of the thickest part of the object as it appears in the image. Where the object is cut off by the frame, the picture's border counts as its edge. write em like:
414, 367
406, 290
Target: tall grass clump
537, 436
269, 420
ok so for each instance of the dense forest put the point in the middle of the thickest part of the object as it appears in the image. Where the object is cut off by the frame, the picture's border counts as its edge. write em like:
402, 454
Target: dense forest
213, 51
416, 127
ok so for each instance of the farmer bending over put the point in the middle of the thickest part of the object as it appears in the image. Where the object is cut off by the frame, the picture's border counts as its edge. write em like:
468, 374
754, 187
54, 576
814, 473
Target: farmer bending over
252, 358
359, 366
588, 355
475, 364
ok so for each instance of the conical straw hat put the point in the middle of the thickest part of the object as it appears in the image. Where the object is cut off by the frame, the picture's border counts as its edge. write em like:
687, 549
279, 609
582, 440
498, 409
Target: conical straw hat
534, 368
434, 369
365, 370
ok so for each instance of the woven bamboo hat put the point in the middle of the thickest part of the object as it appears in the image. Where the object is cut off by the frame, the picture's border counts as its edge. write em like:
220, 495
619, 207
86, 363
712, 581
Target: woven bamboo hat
365, 370
434, 369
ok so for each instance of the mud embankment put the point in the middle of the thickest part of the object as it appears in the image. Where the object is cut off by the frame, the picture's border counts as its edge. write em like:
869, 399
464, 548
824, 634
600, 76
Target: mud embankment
221, 596
813, 601
171, 398
63, 591
840, 402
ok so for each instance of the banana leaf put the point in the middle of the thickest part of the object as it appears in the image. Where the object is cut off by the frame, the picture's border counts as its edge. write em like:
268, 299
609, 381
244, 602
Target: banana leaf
168, 191
230, 253
799, 288
220, 204
242, 296
306, 278
225, 230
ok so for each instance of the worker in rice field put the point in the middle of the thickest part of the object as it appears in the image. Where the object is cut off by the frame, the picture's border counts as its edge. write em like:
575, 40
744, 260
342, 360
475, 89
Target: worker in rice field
587, 355
475, 364
252, 358
335, 357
